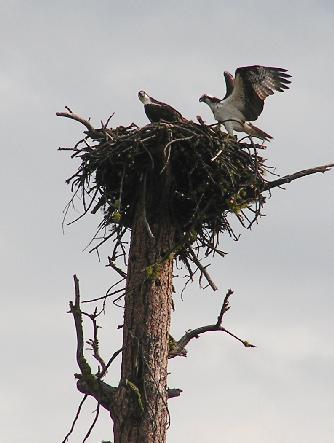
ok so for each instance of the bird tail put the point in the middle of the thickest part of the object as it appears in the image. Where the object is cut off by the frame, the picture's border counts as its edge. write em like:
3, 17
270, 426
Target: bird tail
254, 131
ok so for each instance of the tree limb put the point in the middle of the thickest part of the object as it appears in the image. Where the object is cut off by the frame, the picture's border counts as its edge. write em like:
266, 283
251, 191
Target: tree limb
75, 419
179, 346
77, 118
75, 310
296, 175
116, 268
103, 393
202, 269
173, 392
88, 383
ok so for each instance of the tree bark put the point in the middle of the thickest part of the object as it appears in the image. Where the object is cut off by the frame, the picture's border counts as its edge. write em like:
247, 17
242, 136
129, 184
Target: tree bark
142, 413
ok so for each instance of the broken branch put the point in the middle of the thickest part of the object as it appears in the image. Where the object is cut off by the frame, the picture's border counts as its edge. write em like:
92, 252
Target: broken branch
289, 178
179, 346
77, 118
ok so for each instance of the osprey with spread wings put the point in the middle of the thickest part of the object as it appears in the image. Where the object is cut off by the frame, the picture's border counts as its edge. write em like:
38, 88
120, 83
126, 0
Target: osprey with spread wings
244, 98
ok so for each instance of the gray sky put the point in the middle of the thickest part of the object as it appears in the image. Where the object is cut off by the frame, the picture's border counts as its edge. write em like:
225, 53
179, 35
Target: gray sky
94, 57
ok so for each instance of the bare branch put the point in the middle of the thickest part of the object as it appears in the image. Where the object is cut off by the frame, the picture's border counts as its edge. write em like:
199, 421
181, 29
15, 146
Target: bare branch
77, 118
112, 358
225, 307
101, 391
179, 346
93, 424
94, 343
75, 310
173, 392
289, 178
107, 295
75, 419
116, 268
202, 269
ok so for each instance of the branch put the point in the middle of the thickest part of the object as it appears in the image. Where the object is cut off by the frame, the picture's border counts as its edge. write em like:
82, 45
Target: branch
88, 383
93, 423
116, 268
112, 358
75, 419
101, 391
94, 343
202, 269
75, 310
296, 175
179, 347
83, 121
173, 392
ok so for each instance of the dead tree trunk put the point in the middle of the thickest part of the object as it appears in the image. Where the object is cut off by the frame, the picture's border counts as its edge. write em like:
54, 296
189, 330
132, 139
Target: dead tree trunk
142, 413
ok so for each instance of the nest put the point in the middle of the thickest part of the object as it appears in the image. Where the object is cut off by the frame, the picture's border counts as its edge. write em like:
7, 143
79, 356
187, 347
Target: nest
209, 176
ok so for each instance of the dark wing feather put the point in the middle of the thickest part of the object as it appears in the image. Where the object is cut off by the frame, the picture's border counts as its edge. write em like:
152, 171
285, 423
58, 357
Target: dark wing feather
157, 111
229, 82
253, 84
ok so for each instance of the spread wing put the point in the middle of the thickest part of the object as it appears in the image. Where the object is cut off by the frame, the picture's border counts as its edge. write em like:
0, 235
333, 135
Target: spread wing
253, 84
229, 82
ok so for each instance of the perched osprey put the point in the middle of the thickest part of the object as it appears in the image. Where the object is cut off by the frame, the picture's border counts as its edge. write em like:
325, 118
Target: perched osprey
244, 98
157, 111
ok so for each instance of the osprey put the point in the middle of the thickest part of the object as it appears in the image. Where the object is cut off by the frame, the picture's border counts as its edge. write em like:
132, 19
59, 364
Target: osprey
244, 98
157, 111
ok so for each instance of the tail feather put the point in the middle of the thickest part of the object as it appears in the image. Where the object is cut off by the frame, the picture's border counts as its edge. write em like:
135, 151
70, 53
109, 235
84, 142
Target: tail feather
254, 131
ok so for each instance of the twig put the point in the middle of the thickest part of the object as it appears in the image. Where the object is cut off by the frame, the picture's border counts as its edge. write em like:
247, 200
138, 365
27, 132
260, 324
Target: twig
202, 269
75, 418
116, 268
180, 345
94, 343
77, 118
225, 307
105, 125
75, 310
168, 148
112, 358
103, 297
296, 175
93, 424
143, 202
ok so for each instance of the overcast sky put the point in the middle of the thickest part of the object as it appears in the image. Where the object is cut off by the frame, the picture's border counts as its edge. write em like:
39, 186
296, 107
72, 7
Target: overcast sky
95, 57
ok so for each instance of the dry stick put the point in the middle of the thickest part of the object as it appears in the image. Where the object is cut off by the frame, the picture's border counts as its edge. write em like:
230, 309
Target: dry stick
94, 343
225, 307
75, 418
112, 358
116, 268
79, 119
202, 269
189, 335
143, 202
93, 423
168, 147
103, 297
173, 392
75, 310
299, 174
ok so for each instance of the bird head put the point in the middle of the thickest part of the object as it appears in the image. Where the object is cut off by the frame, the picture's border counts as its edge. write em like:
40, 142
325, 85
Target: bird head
208, 99
204, 98
144, 98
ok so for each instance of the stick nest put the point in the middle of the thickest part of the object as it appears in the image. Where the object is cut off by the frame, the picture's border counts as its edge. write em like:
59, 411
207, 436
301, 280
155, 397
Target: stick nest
209, 176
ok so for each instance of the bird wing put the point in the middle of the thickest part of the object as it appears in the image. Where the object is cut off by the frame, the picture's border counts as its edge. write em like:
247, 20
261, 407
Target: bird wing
229, 82
253, 84
157, 111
